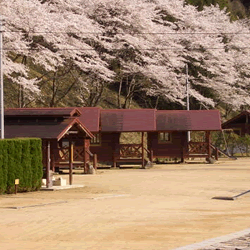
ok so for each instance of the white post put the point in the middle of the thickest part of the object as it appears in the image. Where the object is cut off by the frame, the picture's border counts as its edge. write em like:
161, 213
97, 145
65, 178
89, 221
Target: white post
187, 92
1, 79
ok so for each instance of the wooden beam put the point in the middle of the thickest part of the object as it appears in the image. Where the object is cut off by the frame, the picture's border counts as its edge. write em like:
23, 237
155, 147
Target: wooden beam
95, 161
48, 181
71, 155
84, 156
185, 147
142, 144
151, 155
216, 154
208, 140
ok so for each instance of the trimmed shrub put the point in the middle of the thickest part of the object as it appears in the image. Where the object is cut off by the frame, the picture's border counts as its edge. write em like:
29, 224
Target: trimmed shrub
26, 183
20, 159
11, 175
36, 163
3, 167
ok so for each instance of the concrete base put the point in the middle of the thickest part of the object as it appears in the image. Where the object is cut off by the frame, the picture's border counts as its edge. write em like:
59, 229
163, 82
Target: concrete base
55, 188
59, 182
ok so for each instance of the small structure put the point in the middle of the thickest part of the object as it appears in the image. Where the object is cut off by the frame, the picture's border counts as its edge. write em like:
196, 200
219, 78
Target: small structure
65, 139
171, 140
71, 135
166, 132
116, 121
240, 124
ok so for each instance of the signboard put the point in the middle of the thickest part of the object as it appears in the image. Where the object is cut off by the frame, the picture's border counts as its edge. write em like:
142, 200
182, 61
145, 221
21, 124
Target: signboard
16, 181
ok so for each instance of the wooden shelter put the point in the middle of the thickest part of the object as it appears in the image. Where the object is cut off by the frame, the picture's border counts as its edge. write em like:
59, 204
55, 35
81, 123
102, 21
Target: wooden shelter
65, 139
171, 140
116, 121
166, 134
240, 124
75, 134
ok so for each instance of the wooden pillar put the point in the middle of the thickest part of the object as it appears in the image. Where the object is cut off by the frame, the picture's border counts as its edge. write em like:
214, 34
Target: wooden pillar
208, 140
53, 152
95, 161
183, 154
114, 159
48, 181
84, 156
185, 148
151, 155
142, 144
116, 152
52, 157
216, 154
71, 155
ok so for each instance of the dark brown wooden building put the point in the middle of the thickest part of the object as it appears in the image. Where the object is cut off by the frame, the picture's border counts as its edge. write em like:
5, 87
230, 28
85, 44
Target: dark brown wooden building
166, 132
171, 136
89, 131
65, 138
113, 122
240, 124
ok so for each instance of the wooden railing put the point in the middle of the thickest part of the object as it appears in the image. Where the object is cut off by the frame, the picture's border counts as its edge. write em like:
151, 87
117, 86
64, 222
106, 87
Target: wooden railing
197, 148
78, 155
130, 150
133, 151
64, 154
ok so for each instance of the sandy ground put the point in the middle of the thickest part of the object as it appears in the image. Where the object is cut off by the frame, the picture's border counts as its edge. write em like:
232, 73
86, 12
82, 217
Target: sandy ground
165, 207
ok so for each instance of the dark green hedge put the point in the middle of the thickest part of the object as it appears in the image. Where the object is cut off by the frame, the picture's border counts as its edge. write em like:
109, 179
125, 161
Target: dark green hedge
20, 159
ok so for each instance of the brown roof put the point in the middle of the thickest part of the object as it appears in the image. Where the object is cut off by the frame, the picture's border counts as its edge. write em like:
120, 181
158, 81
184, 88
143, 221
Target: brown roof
54, 112
90, 118
128, 120
48, 130
240, 118
183, 120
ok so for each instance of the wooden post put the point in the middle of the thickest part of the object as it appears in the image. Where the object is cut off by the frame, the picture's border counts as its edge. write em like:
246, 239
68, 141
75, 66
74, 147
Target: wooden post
185, 147
216, 154
114, 160
48, 165
142, 144
208, 140
183, 157
52, 157
151, 155
95, 161
16, 185
84, 156
53, 151
116, 151
71, 155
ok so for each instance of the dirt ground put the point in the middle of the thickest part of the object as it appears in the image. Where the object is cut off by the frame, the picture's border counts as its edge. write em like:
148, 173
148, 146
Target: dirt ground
165, 207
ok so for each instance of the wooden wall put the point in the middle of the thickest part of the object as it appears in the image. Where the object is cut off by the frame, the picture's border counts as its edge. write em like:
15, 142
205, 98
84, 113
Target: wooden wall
177, 148
241, 129
106, 149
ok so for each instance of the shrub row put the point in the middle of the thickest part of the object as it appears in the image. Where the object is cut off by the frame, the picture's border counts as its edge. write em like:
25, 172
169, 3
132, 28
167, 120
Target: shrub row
20, 159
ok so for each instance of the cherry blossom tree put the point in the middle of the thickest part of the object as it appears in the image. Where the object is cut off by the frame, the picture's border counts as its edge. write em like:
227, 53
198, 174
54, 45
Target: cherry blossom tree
54, 47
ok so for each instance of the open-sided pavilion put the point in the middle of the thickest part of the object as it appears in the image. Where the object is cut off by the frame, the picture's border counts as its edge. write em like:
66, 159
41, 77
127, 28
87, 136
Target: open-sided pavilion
166, 130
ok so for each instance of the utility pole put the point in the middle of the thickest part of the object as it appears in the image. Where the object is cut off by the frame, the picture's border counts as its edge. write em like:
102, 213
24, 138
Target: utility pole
187, 93
1, 79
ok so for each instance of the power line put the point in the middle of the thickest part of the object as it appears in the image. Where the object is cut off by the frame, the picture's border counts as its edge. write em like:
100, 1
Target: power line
147, 49
132, 33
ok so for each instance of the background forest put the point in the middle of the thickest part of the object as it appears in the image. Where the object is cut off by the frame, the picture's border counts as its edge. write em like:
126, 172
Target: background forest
127, 53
